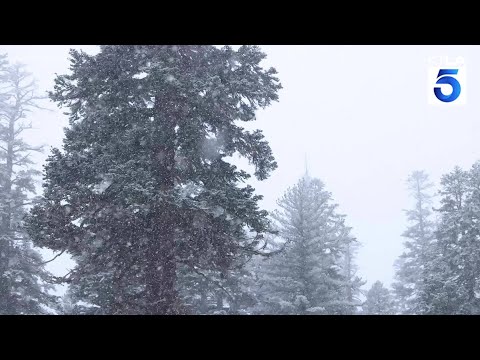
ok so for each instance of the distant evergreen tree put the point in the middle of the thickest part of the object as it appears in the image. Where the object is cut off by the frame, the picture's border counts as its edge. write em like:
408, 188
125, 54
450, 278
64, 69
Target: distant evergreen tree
253, 283
453, 281
143, 186
24, 287
468, 251
379, 301
311, 274
353, 282
412, 266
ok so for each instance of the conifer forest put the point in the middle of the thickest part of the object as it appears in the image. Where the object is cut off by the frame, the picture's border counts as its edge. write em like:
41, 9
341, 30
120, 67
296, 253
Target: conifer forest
161, 196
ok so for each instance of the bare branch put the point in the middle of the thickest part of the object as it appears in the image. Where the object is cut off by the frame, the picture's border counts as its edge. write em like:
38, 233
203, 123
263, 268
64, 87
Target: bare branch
63, 279
56, 256
21, 128
18, 162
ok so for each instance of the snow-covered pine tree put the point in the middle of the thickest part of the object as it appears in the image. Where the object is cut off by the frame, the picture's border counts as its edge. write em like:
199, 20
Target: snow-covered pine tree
453, 283
143, 183
411, 267
353, 282
308, 276
469, 249
24, 287
379, 301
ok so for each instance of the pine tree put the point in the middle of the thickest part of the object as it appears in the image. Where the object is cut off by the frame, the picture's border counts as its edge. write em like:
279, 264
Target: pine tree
143, 184
24, 287
309, 276
411, 267
379, 301
353, 282
469, 249
453, 283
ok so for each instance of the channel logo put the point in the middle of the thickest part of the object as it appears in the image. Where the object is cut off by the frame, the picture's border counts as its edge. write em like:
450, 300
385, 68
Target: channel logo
446, 81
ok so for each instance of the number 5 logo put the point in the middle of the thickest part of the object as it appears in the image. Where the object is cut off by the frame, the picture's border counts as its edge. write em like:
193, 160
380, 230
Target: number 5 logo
444, 78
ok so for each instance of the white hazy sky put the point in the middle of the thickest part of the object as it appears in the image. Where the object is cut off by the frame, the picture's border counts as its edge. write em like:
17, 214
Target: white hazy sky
360, 113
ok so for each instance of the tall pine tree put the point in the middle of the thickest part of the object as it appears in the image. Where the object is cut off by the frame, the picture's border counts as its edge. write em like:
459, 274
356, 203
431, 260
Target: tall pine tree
143, 184
24, 287
453, 283
311, 274
412, 266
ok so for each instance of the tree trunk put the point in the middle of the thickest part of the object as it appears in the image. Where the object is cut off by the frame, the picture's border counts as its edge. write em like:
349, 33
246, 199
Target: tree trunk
7, 185
161, 277
6, 217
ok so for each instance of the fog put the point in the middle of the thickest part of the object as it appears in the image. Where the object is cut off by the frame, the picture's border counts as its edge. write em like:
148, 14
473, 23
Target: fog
357, 116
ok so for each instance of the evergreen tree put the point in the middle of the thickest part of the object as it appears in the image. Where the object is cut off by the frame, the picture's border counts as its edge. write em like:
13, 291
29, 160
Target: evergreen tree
23, 279
453, 281
468, 259
143, 185
253, 283
379, 301
412, 266
353, 282
310, 275
234, 292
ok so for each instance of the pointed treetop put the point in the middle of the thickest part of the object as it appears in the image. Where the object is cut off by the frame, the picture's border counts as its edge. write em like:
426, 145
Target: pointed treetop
307, 175
306, 165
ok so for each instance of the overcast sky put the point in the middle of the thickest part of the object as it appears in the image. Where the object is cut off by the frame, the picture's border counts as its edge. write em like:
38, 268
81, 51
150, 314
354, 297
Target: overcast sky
359, 113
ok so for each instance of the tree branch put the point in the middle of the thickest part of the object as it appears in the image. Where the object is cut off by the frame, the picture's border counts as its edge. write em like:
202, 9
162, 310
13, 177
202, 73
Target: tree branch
56, 256
63, 279
211, 280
